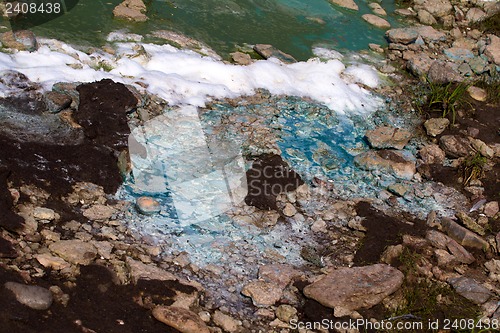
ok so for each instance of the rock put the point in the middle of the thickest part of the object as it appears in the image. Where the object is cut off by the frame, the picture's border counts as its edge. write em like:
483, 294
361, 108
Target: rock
99, 213
289, 210
475, 15
46, 214
462, 235
436, 126
267, 51
35, 297
74, 251
376, 48
419, 64
438, 8
133, 10
482, 147
57, 102
55, 263
262, 293
285, 312
426, 18
477, 93
444, 258
391, 253
458, 54
387, 160
147, 206
241, 58
402, 35
455, 146
491, 209
350, 289
478, 65
349, 4
432, 154
227, 323
183, 320
388, 137
470, 223
442, 72
441, 241
376, 21
377, 9
470, 289
280, 274
492, 50
398, 189
22, 40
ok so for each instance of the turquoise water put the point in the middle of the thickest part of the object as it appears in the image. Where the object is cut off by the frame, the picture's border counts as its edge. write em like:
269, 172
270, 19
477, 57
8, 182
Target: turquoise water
291, 25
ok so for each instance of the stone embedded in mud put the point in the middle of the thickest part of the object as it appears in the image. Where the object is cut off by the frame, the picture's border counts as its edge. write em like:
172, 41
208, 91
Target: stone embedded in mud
387, 161
74, 251
471, 289
455, 145
388, 137
183, 320
477, 93
269, 177
35, 297
147, 206
351, 289
436, 126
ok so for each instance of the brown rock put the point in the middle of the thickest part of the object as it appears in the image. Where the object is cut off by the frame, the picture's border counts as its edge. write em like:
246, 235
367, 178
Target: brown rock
74, 251
376, 21
262, 293
432, 154
388, 137
387, 160
133, 10
183, 320
455, 146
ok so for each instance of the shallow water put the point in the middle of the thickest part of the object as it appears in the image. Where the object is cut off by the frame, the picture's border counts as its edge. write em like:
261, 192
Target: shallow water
291, 25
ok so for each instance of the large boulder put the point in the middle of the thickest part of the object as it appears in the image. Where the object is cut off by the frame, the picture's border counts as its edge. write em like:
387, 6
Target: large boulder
351, 289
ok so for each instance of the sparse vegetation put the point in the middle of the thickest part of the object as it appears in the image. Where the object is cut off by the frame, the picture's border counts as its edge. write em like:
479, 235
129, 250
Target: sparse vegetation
447, 98
473, 168
490, 25
102, 65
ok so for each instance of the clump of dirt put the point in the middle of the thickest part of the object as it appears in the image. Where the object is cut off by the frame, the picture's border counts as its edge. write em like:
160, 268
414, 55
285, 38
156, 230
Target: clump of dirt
269, 177
382, 231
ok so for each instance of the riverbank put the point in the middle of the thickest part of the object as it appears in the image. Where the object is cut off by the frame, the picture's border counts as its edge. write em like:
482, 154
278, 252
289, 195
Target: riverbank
401, 223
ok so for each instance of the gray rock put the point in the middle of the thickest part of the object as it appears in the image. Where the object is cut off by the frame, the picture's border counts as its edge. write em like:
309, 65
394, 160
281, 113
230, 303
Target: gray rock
35, 297
390, 161
183, 320
436, 126
147, 206
492, 50
425, 17
419, 64
442, 72
455, 146
267, 51
376, 21
432, 154
478, 65
465, 69
458, 54
388, 137
471, 289
74, 251
462, 235
402, 35
56, 101
475, 15
491, 209
350, 289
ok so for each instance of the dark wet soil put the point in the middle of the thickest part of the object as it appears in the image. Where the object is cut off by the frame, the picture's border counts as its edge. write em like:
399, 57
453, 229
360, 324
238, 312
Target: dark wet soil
383, 231
96, 304
268, 177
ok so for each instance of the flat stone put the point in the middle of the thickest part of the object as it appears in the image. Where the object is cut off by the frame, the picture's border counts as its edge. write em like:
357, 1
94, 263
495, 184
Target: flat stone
52, 262
477, 93
462, 235
470, 289
355, 288
443, 72
419, 64
377, 9
432, 154
262, 293
455, 146
280, 274
226, 322
436, 126
458, 54
470, 223
492, 50
74, 251
41, 213
387, 160
475, 15
429, 34
183, 320
132, 10
268, 51
376, 21
147, 206
35, 297
349, 4
241, 58
99, 212
478, 65
425, 17
388, 137
405, 12
482, 147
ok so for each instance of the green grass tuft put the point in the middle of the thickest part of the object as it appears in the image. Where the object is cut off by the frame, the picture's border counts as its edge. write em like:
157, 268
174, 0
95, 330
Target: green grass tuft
446, 98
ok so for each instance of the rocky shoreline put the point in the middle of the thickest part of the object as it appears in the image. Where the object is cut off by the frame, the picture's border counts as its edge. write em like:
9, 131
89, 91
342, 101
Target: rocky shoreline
71, 262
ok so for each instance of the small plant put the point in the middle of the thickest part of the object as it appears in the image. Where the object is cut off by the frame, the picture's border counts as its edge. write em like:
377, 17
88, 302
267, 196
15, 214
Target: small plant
473, 168
490, 25
447, 98
102, 65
